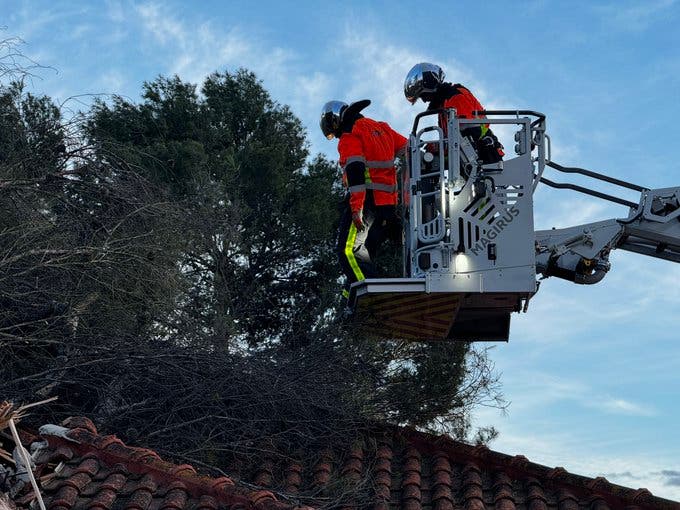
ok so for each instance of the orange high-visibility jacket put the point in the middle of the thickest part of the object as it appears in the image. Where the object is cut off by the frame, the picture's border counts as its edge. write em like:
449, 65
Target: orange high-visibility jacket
375, 144
465, 104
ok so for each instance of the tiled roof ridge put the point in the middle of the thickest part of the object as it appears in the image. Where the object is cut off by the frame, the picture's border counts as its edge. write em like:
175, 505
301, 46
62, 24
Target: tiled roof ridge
518, 466
82, 439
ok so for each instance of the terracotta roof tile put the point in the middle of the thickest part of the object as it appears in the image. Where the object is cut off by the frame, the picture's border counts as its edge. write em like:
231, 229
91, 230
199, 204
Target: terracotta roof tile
80, 422
221, 483
82, 435
60, 453
176, 498
141, 496
411, 495
181, 470
598, 504
382, 477
404, 470
293, 477
207, 503
265, 474
78, 481
535, 494
472, 481
557, 473
504, 498
102, 500
519, 462
323, 469
89, 465
642, 495
567, 501
146, 455
353, 465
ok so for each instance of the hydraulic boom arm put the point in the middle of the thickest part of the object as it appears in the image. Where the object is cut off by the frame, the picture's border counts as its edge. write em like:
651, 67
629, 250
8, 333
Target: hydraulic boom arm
581, 253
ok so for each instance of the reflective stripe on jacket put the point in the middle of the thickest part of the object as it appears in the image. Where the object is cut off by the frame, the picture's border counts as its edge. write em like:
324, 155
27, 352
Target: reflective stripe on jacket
375, 145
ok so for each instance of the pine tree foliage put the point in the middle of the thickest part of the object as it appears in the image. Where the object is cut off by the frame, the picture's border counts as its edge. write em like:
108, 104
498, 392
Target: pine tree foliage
257, 216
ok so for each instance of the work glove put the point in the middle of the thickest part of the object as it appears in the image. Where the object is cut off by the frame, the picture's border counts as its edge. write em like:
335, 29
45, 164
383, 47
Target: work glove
358, 220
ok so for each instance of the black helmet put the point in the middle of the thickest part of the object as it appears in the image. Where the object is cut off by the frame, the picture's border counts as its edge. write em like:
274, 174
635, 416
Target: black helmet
422, 78
334, 112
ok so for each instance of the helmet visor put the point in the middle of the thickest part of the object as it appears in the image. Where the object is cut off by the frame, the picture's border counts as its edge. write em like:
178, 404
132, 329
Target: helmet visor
330, 118
422, 78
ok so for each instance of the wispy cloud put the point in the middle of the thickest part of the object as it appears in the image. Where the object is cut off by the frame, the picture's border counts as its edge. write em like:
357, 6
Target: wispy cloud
115, 11
635, 16
624, 475
378, 66
559, 209
373, 65
111, 82
162, 26
671, 476
622, 406
543, 389
199, 50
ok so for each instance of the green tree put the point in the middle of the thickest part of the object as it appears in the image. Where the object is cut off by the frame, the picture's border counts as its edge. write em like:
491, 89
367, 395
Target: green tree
257, 215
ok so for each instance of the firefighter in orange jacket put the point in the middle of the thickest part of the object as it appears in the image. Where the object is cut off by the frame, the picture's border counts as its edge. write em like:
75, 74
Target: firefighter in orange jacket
367, 151
426, 81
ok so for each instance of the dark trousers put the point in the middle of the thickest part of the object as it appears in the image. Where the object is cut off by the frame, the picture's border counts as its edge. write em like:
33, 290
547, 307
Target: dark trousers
356, 250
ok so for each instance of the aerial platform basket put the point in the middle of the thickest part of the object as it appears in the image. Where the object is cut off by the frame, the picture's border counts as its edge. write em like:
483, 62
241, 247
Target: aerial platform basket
401, 308
469, 244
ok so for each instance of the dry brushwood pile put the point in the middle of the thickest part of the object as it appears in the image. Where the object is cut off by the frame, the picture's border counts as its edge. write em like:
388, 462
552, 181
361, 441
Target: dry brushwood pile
16, 469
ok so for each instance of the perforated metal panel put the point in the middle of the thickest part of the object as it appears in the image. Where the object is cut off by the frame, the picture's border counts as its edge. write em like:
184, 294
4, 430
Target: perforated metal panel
469, 220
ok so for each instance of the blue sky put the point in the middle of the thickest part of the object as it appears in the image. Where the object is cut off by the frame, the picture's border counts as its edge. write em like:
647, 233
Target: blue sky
591, 372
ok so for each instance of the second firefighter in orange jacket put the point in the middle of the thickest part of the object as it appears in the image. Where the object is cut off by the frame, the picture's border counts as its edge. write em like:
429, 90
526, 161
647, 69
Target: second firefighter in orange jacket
367, 150
426, 81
